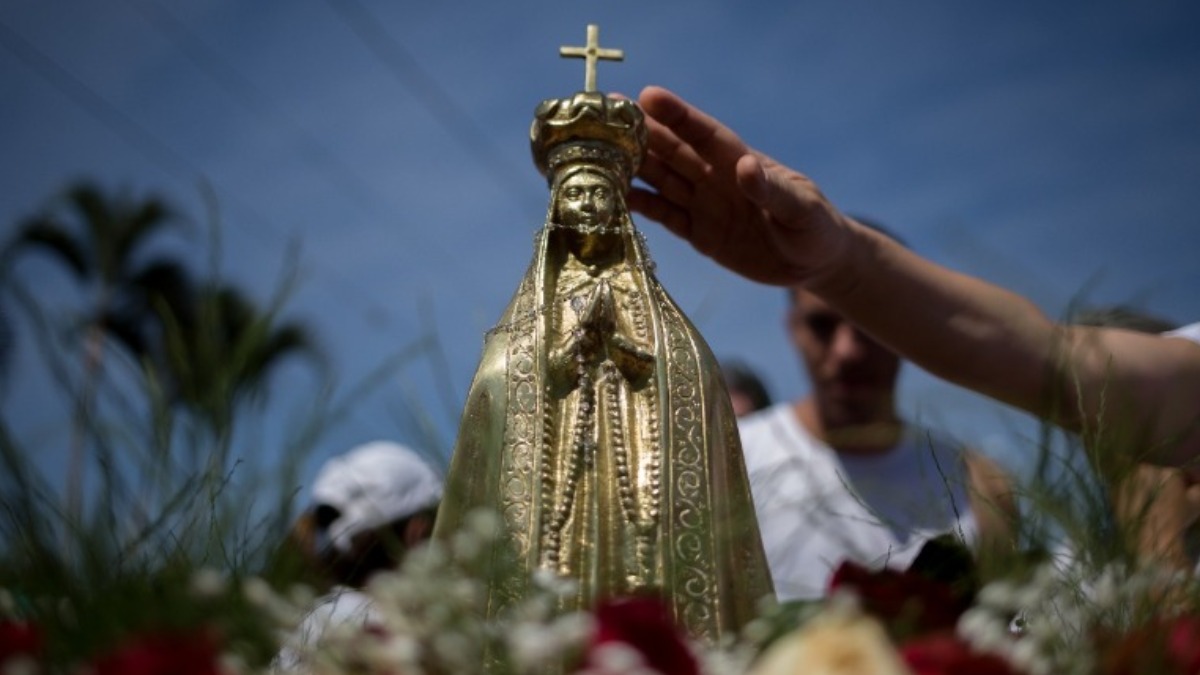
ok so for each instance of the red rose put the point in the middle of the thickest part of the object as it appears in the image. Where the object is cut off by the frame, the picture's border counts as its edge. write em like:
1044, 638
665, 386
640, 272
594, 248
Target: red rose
944, 654
18, 638
1161, 646
645, 624
1183, 644
162, 654
909, 603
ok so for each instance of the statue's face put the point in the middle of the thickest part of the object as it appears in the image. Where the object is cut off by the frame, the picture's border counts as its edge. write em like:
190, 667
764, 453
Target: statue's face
586, 202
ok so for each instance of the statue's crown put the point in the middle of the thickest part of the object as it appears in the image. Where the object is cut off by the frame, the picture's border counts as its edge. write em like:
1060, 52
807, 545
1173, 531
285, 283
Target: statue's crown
588, 127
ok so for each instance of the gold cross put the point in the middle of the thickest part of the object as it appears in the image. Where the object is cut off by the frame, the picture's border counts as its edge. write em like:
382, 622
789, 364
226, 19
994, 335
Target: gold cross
590, 54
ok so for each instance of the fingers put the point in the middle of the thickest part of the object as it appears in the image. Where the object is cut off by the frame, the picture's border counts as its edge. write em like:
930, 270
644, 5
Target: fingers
660, 176
752, 179
671, 150
710, 140
684, 119
784, 194
656, 208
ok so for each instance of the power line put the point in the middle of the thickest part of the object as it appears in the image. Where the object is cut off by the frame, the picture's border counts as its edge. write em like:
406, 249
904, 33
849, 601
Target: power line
251, 97
140, 138
241, 89
440, 104
228, 77
96, 106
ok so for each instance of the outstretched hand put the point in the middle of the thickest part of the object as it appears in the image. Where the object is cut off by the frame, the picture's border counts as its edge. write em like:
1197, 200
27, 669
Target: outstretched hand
734, 204
771, 224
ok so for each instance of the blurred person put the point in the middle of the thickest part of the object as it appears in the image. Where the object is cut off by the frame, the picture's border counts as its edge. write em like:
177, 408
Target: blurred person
747, 392
772, 224
368, 508
838, 474
1160, 505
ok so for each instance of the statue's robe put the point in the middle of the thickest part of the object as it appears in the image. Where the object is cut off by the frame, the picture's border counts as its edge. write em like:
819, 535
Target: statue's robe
623, 472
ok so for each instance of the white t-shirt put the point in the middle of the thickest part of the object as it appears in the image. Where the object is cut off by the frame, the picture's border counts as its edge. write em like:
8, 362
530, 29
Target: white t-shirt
817, 508
341, 606
1189, 332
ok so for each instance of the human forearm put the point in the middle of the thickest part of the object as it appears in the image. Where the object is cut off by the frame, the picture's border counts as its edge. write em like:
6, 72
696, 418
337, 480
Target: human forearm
1131, 392
958, 327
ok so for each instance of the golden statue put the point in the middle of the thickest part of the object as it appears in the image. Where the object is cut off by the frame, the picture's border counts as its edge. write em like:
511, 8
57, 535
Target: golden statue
598, 425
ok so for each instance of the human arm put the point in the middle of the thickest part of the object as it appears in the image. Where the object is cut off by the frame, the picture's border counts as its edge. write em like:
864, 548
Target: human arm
772, 224
993, 503
1156, 506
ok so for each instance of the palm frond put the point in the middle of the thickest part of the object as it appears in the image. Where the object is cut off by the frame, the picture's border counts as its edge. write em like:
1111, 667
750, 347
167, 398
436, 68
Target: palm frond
50, 236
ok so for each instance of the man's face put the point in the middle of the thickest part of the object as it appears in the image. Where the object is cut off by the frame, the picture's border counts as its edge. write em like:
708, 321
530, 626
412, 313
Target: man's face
853, 376
586, 202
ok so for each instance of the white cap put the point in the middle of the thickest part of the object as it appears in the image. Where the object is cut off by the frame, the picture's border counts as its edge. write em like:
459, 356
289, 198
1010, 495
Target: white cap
374, 484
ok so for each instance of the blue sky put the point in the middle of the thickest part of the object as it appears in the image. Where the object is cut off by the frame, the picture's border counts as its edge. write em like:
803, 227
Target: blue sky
1053, 148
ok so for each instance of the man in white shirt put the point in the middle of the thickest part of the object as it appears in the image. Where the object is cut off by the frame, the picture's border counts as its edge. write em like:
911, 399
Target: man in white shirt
838, 475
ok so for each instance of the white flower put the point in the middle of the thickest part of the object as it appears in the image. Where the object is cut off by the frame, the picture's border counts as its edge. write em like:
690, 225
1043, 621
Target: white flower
733, 660
440, 615
401, 649
257, 592
1107, 590
208, 583
616, 658
574, 628
282, 612
465, 592
66, 611
1027, 655
757, 631
8, 606
232, 664
1000, 594
485, 524
531, 646
394, 653
302, 595
466, 545
833, 644
20, 664
843, 602
550, 581
456, 649
534, 644
429, 561
984, 630
391, 589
